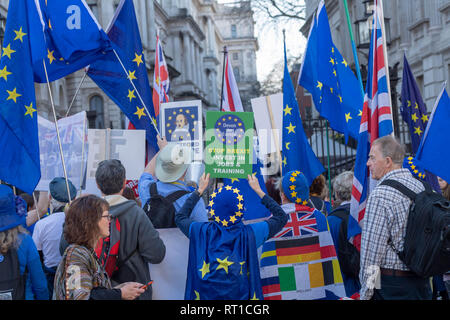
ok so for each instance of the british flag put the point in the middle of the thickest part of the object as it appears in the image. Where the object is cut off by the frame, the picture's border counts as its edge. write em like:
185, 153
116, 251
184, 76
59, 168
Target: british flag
376, 121
161, 82
299, 223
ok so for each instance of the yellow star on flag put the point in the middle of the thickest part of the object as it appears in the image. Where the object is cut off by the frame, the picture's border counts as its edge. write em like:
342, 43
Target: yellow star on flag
414, 117
344, 62
228, 188
254, 297
291, 128
409, 103
418, 131
319, 85
131, 95
4, 73
50, 56
140, 112
131, 75
233, 219
7, 51
238, 213
331, 61
424, 118
348, 117
287, 145
13, 95
30, 110
197, 295
284, 161
360, 113
19, 34
204, 269
217, 219
138, 59
225, 223
240, 198
224, 264
287, 110
233, 180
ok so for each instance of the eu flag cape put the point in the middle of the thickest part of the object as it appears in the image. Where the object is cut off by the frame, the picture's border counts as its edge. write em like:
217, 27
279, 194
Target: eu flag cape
223, 263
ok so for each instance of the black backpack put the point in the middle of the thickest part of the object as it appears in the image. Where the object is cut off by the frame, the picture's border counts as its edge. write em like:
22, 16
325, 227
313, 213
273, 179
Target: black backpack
348, 255
427, 240
12, 283
160, 210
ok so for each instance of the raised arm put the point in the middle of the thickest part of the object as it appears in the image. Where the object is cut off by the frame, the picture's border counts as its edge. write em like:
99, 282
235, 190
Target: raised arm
150, 168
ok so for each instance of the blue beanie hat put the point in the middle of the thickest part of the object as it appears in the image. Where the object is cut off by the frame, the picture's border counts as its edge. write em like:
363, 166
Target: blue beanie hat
13, 210
226, 206
295, 187
58, 190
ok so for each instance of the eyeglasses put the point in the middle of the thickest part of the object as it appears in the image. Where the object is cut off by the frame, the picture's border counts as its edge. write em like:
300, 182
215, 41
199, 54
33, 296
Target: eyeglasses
107, 217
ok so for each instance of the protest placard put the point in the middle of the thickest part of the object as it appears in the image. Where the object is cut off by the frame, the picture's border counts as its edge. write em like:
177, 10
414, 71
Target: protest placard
181, 123
73, 133
229, 144
128, 146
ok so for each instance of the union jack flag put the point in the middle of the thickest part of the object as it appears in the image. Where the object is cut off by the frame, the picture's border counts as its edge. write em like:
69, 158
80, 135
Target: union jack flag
161, 82
299, 223
376, 121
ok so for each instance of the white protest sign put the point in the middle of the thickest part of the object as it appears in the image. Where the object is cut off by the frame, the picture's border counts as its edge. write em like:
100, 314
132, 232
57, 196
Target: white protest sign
73, 134
268, 114
128, 146
182, 123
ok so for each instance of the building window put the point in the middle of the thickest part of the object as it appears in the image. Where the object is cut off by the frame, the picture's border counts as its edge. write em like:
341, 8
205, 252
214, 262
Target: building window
233, 31
235, 56
96, 115
237, 74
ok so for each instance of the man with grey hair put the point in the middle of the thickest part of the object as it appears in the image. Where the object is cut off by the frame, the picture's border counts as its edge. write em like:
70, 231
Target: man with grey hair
383, 275
348, 255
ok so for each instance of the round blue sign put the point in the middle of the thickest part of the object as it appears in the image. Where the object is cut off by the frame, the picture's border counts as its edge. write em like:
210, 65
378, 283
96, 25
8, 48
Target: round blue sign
229, 129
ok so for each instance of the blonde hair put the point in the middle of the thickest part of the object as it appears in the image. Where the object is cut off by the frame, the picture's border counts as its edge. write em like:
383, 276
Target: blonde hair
10, 238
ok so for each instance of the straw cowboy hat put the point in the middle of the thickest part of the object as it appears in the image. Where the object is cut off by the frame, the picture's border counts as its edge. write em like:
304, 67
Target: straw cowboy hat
172, 162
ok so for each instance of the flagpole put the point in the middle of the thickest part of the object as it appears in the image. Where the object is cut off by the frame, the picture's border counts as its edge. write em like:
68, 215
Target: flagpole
57, 132
225, 53
76, 93
355, 54
137, 91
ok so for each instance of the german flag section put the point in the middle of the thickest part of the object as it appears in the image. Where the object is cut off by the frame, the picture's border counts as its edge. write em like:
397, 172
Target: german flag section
301, 267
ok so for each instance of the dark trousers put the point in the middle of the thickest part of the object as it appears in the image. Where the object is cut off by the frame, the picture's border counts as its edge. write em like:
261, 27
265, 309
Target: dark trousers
50, 275
403, 288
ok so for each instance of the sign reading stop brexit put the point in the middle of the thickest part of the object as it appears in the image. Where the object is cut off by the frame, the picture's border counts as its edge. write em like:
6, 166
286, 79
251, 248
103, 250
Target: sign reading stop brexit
229, 144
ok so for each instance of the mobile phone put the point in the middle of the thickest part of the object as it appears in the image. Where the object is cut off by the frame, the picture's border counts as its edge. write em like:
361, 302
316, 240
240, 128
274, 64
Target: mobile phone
145, 286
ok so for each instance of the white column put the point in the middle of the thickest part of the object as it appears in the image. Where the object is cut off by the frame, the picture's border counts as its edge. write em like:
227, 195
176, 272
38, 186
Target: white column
187, 59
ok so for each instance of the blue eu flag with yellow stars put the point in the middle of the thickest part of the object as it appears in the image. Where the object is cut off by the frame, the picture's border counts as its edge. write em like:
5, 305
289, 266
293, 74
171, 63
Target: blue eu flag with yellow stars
66, 35
110, 76
414, 113
297, 153
19, 162
327, 76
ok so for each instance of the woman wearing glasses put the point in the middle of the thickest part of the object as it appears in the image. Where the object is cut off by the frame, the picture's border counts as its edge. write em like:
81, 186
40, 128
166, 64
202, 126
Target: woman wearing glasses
79, 275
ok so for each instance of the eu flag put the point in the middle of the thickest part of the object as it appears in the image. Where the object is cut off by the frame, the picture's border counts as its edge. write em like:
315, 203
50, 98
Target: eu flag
19, 144
433, 152
65, 35
297, 153
110, 76
414, 113
326, 75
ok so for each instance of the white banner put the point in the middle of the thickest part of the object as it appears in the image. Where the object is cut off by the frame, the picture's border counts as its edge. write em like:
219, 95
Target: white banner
73, 133
128, 146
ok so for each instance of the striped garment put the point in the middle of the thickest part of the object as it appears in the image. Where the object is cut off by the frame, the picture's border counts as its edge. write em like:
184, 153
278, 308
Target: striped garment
78, 273
300, 262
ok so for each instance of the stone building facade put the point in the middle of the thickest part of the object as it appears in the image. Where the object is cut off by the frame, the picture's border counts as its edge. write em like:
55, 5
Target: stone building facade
193, 34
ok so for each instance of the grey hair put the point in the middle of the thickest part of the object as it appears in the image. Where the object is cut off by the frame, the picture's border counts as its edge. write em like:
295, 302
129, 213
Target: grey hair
392, 148
110, 176
342, 186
